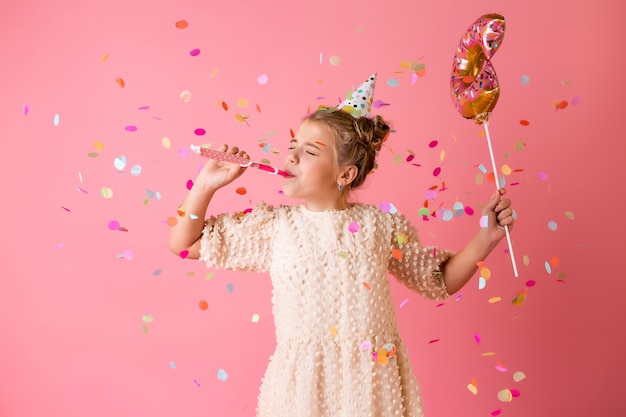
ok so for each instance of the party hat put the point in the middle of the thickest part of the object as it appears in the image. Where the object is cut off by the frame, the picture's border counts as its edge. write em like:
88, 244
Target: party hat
360, 101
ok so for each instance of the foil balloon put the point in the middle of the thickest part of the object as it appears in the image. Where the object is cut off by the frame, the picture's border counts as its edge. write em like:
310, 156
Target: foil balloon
473, 83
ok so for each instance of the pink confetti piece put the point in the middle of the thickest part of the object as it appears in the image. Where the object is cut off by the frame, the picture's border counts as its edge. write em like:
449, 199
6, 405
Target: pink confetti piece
189, 184
144, 108
130, 128
262, 79
403, 302
184, 254
66, 209
515, 393
436, 172
114, 225
194, 52
27, 109
433, 340
496, 412
353, 227
199, 132
433, 144
477, 338
195, 381
542, 175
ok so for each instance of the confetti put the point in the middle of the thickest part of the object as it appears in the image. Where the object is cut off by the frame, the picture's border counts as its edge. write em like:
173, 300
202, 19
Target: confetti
56, 120
120, 82
203, 305
194, 52
256, 318
519, 376
185, 96
262, 79
131, 128
334, 60
173, 365
106, 192
353, 227
525, 79
403, 302
181, 24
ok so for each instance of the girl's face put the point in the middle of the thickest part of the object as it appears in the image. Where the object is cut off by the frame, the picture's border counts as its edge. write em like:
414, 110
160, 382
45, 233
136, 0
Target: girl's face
311, 161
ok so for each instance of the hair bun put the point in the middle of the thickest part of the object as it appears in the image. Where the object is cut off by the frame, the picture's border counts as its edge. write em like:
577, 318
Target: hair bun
372, 132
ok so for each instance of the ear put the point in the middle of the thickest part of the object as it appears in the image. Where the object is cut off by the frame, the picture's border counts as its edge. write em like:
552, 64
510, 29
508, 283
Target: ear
348, 174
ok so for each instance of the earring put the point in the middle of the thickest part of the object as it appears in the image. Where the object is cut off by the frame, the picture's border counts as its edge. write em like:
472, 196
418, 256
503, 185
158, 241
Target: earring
340, 187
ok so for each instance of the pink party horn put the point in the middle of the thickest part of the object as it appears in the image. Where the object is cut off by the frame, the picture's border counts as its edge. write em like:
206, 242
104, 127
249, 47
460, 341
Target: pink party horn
236, 159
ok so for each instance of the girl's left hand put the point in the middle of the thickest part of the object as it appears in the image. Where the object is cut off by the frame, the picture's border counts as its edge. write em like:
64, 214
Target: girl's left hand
499, 214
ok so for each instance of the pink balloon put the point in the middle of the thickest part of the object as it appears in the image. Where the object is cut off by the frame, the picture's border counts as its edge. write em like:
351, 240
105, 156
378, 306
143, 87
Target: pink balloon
473, 83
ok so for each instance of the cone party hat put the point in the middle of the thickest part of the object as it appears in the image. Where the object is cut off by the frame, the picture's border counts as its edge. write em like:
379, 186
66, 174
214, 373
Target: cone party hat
359, 103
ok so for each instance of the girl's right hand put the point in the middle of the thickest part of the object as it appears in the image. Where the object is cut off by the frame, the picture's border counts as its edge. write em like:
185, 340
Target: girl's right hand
216, 174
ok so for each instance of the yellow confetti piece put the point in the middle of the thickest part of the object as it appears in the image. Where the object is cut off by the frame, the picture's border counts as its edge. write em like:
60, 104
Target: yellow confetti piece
147, 318
104, 58
569, 215
494, 300
333, 331
488, 354
241, 118
506, 170
405, 64
519, 376
334, 60
166, 142
505, 396
209, 276
99, 146
106, 192
472, 389
401, 238
214, 73
526, 260
442, 155
242, 103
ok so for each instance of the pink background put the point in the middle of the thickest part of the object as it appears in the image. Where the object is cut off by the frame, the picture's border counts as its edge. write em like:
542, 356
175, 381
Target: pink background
102, 322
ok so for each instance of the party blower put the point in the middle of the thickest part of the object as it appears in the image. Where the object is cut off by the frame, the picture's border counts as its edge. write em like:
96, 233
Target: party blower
236, 159
474, 85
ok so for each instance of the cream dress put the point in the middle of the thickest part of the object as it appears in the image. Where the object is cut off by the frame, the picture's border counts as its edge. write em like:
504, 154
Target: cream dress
338, 351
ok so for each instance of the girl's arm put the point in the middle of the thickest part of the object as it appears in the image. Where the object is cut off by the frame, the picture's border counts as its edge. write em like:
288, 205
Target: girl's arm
460, 268
186, 234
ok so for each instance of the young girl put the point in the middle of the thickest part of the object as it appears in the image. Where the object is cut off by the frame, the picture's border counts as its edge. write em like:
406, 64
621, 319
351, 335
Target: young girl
338, 350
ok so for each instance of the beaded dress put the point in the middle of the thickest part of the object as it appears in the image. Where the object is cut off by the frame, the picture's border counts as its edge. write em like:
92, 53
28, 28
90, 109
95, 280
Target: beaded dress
338, 351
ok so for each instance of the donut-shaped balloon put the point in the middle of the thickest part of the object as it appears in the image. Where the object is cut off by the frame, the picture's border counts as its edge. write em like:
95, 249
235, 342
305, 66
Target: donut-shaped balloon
473, 83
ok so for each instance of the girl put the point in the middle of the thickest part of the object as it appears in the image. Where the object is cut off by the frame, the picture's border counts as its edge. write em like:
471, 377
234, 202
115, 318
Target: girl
338, 349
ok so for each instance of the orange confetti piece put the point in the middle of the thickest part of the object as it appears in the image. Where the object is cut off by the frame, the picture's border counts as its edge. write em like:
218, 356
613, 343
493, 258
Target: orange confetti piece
241, 191
562, 104
203, 305
554, 261
172, 221
333, 331
367, 286
224, 106
181, 211
120, 82
524, 122
397, 254
258, 108
182, 24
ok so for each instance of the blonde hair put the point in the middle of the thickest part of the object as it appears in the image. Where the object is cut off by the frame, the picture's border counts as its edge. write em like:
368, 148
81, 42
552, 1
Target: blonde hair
357, 140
